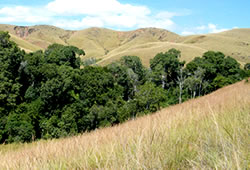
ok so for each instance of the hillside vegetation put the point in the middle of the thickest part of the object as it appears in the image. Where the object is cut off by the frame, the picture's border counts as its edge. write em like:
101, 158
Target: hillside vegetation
109, 45
48, 95
211, 132
45, 95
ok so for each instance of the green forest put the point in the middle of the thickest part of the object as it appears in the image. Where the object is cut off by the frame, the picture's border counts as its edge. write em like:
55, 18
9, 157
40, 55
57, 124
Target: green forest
52, 93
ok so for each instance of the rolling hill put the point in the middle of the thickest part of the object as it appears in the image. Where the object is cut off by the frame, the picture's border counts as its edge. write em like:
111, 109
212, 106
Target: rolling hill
210, 132
109, 45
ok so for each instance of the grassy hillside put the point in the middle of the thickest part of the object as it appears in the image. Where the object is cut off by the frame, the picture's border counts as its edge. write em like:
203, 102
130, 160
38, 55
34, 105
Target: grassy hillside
99, 43
235, 43
27, 46
40, 36
149, 50
211, 132
110, 45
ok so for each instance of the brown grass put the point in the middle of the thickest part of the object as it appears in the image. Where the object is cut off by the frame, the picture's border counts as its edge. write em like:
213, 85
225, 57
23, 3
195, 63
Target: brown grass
110, 45
211, 132
149, 50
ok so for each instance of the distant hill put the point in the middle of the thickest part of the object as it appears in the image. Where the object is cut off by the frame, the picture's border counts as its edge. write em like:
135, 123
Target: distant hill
109, 45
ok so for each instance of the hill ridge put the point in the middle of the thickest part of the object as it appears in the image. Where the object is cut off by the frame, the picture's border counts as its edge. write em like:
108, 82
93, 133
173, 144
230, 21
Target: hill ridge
109, 45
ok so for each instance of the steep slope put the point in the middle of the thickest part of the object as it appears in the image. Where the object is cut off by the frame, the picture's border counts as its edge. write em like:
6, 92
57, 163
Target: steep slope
109, 45
25, 45
40, 36
205, 133
99, 42
95, 41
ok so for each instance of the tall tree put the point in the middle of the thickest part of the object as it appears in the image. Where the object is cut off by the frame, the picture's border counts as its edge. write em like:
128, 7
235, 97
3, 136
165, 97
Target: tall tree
11, 58
180, 81
134, 63
67, 55
165, 67
149, 97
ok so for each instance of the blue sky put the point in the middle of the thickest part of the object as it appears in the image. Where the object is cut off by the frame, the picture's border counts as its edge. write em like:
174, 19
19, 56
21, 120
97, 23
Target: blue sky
180, 16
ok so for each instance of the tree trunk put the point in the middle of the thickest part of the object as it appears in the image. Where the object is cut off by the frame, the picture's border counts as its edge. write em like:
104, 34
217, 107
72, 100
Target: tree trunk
194, 94
135, 89
180, 94
200, 90
180, 80
163, 81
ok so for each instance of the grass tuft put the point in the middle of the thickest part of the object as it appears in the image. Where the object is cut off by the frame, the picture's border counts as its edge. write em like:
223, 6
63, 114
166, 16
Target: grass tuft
211, 132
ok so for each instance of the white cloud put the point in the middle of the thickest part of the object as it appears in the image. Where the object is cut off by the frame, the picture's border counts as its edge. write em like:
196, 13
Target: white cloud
22, 14
14, 11
110, 13
77, 24
166, 14
209, 28
203, 27
187, 33
156, 22
115, 21
78, 14
213, 29
95, 7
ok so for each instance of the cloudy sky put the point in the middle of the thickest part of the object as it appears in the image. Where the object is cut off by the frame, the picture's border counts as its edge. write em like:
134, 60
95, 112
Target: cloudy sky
180, 16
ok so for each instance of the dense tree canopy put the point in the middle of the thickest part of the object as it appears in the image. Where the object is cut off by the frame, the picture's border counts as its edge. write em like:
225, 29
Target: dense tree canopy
47, 94
166, 68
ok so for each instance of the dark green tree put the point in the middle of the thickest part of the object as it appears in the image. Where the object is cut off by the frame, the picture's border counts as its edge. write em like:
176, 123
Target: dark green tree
166, 68
134, 63
247, 66
123, 78
63, 55
216, 69
19, 126
149, 98
10, 62
247, 69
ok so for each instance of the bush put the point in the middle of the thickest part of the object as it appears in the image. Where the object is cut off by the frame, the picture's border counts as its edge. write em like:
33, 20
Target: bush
19, 128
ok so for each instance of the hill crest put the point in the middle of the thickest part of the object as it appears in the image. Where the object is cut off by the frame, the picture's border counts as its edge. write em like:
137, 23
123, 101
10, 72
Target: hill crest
109, 45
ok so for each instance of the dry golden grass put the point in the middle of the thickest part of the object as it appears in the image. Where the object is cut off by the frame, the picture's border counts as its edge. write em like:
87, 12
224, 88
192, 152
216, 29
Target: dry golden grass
149, 50
99, 42
110, 45
235, 43
232, 43
211, 132
27, 46
39, 36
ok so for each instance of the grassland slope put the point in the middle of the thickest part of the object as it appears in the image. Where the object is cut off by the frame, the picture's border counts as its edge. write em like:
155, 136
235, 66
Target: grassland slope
210, 132
235, 43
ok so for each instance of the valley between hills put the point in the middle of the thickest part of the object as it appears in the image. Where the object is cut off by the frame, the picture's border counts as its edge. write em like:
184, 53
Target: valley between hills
107, 45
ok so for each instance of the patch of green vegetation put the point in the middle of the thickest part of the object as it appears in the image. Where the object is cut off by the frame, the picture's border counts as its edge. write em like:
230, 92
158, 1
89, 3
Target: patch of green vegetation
45, 94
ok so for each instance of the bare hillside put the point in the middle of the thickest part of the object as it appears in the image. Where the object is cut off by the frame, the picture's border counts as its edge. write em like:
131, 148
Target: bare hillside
109, 45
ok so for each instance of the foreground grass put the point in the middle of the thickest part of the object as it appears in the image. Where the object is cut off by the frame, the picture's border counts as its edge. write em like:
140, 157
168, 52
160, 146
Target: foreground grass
211, 132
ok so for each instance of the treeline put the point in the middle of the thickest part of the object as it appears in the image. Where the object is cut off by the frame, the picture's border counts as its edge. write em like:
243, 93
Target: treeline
47, 95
